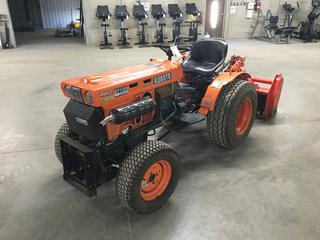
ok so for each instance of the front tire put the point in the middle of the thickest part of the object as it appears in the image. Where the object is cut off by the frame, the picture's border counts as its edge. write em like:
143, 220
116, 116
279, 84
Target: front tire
233, 115
148, 177
63, 131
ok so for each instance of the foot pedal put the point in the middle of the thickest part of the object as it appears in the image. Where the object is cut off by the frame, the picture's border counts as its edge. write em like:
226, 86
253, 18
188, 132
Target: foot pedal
191, 118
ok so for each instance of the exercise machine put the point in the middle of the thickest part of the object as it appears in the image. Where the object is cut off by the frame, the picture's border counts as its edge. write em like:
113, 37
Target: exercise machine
104, 14
194, 21
290, 11
140, 13
159, 14
175, 13
7, 43
122, 14
274, 32
309, 30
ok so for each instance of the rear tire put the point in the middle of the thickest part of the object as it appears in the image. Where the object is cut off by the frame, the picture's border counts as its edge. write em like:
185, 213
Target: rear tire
233, 115
148, 176
63, 131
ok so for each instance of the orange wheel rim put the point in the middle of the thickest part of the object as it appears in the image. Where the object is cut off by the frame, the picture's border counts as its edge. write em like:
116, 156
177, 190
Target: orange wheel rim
244, 116
155, 180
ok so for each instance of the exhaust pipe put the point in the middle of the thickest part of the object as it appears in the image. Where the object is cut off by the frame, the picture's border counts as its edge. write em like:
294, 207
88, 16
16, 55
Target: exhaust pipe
129, 112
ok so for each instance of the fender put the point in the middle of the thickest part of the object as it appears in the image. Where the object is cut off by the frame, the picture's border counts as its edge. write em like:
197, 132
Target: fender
213, 90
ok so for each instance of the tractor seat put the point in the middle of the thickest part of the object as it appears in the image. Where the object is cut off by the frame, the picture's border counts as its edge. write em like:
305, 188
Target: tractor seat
205, 57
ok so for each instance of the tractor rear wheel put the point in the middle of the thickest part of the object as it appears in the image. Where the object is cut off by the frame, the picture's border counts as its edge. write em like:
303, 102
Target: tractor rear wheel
148, 176
63, 131
233, 115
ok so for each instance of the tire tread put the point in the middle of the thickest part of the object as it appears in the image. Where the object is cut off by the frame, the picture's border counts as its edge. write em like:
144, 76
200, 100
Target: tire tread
132, 165
63, 131
217, 119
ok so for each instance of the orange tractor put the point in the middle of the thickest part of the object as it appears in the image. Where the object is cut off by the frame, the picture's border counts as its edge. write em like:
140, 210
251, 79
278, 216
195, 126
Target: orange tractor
110, 115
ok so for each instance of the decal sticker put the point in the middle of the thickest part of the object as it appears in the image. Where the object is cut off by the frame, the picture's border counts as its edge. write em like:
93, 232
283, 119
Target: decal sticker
82, 121
147, 85
106, 99
107, 93
120, 91
162, 78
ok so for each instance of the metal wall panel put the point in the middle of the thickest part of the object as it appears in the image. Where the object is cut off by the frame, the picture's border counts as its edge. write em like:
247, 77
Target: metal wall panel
57, 13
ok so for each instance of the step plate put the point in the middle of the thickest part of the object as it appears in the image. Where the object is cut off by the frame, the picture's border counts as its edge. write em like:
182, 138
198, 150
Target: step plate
191, 118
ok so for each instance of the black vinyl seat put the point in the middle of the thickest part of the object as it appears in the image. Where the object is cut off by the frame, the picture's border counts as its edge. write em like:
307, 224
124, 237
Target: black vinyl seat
205, 57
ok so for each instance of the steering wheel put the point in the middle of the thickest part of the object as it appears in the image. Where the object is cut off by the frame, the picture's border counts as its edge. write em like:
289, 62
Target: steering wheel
167, 49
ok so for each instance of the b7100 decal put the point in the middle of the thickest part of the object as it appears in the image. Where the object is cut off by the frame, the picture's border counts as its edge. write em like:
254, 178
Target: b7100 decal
120, 91
162, 78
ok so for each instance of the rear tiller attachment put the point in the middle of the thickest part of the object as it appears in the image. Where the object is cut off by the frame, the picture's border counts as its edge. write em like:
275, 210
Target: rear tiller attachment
268, 95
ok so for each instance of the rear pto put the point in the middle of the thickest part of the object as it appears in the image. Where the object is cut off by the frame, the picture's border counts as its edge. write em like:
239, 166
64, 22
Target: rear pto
110, 116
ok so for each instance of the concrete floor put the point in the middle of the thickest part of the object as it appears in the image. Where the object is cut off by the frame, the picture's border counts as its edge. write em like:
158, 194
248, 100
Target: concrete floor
266, 189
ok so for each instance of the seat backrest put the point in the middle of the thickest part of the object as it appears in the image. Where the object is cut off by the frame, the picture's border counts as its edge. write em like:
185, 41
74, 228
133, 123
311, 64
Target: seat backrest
274, 19
209, 51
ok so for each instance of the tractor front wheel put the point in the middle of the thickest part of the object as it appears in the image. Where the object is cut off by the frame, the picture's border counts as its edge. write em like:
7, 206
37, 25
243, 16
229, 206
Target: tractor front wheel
233, 115
148, 177
63, 131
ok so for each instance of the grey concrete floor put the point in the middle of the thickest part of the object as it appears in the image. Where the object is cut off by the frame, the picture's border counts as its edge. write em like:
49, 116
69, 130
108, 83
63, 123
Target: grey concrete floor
269, 188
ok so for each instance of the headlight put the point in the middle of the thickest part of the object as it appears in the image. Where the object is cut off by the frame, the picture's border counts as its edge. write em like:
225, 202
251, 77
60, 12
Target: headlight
68, 91
88, 98
74, 93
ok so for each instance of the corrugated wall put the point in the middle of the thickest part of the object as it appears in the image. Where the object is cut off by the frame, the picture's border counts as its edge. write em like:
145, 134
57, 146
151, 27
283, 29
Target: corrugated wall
57, 13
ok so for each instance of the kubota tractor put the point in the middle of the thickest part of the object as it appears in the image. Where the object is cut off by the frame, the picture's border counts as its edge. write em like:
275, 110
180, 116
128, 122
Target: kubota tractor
110, 115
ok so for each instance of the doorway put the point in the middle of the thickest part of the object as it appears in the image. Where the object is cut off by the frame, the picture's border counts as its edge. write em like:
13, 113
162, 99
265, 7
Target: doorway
25, 15
215, 17
40, 21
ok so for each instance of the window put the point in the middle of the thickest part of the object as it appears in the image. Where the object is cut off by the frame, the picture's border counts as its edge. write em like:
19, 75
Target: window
214, 12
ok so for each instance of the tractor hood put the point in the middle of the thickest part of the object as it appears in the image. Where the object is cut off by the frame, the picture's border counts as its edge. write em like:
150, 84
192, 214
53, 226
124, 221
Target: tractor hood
98, 89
